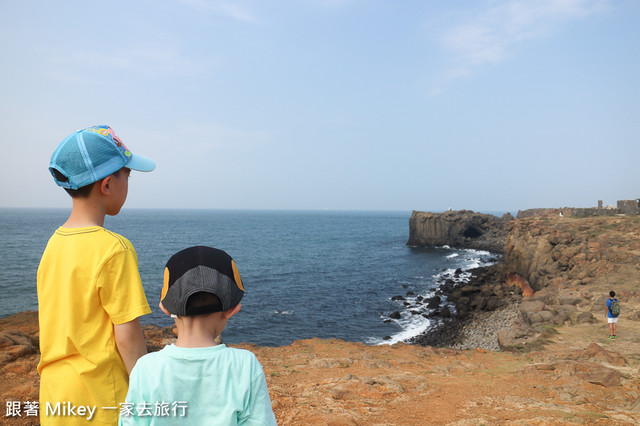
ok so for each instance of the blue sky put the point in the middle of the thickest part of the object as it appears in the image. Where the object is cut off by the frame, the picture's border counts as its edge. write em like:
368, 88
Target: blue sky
330, 104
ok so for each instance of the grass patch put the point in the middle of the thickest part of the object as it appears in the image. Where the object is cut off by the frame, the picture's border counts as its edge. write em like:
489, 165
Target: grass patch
563, 414
592, 415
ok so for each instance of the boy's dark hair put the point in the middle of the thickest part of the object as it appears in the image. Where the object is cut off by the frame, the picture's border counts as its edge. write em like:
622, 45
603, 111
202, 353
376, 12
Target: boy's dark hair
74, 193
82, 192
200, 299
612, 293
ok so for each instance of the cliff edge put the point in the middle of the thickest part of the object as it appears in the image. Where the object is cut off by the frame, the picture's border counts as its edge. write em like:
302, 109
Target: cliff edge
459, 229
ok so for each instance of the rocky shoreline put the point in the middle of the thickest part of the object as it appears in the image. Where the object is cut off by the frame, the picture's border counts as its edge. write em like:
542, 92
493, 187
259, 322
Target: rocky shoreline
473, 311
554, 271
467, 313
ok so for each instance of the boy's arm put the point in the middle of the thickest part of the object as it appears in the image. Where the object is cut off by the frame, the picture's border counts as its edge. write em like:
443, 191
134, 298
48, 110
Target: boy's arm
136, 394
130, 342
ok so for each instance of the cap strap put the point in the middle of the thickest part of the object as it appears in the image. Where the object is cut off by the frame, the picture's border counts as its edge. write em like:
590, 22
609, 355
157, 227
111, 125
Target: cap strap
85, 156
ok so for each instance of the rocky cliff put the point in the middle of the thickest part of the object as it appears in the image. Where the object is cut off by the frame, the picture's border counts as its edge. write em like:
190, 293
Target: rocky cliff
573, 253
459, 229
555, 271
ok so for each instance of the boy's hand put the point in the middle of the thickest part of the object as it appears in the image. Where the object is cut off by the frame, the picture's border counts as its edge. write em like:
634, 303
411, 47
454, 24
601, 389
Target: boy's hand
130, 342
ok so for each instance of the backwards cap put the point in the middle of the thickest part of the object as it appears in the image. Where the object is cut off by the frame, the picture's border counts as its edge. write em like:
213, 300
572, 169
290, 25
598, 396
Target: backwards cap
200, 269
90, 154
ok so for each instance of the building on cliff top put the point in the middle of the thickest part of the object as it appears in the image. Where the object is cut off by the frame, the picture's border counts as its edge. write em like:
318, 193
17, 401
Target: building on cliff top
623, 207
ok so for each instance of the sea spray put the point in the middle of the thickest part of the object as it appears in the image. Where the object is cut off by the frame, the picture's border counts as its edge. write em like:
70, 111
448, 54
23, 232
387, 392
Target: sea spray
416, 316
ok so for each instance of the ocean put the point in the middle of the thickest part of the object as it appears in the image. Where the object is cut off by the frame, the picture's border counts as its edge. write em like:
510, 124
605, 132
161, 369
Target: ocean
326, 274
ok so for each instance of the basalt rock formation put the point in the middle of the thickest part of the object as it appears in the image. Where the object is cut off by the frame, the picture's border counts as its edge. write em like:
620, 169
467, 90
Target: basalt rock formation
559, 269
573, 253
459, 229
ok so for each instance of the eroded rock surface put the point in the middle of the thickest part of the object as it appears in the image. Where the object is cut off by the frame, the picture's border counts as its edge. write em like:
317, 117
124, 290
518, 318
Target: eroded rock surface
458, 229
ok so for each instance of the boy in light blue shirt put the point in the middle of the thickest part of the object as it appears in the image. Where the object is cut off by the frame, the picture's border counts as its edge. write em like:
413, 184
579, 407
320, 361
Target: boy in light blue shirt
197, 381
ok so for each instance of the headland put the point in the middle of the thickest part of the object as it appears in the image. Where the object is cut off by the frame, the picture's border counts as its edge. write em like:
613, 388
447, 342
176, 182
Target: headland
523, 341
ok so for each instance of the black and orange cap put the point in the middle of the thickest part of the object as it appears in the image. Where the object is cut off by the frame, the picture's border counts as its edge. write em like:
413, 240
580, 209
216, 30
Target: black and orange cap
200, 269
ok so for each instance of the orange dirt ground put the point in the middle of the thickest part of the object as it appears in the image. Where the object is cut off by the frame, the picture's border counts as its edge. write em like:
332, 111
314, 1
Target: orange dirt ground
581, 377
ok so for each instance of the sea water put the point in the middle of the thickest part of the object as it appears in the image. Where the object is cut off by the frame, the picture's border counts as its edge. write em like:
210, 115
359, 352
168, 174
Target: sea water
326, 274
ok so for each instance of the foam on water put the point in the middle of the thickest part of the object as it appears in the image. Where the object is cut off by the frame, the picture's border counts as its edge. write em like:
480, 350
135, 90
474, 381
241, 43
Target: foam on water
412, 321
411, 327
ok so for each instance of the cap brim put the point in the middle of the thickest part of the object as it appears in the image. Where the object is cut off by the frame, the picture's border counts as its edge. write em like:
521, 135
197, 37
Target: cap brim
140, 163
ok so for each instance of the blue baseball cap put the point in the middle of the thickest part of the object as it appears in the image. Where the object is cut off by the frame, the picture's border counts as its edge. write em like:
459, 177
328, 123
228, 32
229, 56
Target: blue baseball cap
90, 154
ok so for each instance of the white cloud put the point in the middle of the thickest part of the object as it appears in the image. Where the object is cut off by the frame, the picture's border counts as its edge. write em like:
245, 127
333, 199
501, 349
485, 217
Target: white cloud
494, 34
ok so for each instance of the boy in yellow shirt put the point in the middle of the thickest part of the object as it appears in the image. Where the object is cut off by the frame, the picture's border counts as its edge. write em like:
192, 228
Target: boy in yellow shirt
89, 290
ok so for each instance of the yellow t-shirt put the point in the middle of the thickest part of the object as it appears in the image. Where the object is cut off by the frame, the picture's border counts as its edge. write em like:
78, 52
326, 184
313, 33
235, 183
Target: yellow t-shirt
88, 281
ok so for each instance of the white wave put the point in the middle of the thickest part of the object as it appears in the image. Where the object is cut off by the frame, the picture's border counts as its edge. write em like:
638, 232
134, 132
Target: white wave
411, 326
449, 271
414, 325
279, 312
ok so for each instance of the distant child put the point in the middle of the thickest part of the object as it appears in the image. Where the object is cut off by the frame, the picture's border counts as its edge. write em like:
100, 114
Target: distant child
197, 381
613, 310
89, 290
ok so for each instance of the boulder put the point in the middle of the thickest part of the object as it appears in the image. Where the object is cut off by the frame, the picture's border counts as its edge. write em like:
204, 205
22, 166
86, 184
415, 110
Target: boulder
600, 305
603, 376
585, 317
506, 338
569, 300
445, 312
547, 316
433, 302
560, 318
566, 308
533, 306
13, 345
478, 303
534, 318
588, 371
468, 290
595, 351
494, 303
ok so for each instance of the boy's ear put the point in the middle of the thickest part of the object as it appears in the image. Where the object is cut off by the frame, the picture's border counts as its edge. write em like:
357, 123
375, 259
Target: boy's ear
231, 312
104, 185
